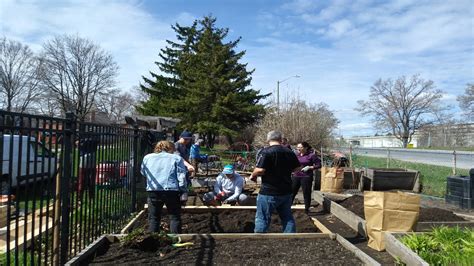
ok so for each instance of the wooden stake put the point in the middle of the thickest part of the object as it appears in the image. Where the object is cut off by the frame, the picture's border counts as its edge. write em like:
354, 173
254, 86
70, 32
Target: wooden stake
454, 163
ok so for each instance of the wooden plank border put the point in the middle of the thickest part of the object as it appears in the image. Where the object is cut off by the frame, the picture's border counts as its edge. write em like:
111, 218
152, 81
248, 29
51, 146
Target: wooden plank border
398, 250
201, 209
358, 252
351, 219
104, 239
89, 250
359, 225
132, 222
321, 226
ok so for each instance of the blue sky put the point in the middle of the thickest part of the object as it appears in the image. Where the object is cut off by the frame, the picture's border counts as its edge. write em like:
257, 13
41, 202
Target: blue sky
339, 48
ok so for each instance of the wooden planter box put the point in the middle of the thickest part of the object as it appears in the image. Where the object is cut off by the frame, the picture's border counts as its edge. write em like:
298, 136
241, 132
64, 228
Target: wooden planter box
90, 250
351, 219
204, 209
350, 181
359, 225
398, 250
382, 179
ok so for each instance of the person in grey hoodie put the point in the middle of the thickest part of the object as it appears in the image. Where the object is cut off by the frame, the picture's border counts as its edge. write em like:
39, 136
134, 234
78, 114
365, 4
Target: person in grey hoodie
165, 174
228, 188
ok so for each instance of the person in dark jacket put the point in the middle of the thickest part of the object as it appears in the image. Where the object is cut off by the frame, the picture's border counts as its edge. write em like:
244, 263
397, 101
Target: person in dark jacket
275, 165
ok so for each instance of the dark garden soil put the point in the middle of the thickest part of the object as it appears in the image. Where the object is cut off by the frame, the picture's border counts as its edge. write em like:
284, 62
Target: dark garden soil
206, 251
228, 221
356, 205
337, 226
196, 200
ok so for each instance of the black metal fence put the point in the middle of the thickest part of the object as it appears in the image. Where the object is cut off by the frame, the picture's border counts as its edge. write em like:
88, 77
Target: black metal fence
63, 184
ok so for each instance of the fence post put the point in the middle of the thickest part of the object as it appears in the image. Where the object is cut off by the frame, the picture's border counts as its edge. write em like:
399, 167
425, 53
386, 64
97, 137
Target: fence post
388, 157
67, 168
454, 163
350, 157
136, 170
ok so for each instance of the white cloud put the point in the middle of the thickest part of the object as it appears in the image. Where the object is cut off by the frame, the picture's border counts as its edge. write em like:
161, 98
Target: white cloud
185, 18
339, 28
356, 126
131, 34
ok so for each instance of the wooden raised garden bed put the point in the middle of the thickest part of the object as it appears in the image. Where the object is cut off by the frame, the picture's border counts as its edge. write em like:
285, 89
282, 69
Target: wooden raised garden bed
383, 179
351, 178
264, 249
398, 250
228, 219
351, 212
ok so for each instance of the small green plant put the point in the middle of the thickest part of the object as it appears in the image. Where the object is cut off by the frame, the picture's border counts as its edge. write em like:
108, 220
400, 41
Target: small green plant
142, 240
443, 245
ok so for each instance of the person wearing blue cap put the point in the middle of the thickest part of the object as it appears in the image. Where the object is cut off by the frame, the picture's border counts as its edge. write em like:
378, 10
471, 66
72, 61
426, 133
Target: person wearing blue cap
182, 149
228, 188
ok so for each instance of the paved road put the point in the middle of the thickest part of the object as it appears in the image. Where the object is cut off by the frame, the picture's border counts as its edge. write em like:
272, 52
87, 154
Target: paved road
464, 160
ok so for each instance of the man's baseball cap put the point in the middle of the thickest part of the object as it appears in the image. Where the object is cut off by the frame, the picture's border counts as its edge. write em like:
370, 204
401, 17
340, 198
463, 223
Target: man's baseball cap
186, 135
228, 169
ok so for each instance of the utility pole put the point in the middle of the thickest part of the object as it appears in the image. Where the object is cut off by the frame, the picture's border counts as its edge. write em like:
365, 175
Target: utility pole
278, 88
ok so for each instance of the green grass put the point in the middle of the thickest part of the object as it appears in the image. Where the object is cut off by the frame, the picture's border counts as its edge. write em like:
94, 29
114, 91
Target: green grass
443, 245
433, 177
21, 257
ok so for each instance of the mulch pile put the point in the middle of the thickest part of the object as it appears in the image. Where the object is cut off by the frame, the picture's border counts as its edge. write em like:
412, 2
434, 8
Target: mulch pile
229, 221
321, 251
356, 205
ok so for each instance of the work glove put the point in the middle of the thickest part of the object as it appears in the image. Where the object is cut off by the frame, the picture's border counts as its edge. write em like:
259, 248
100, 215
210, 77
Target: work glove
306, 168
253, 178
220, 195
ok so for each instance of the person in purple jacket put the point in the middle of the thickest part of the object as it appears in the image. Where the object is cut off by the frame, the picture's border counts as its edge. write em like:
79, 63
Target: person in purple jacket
304, 178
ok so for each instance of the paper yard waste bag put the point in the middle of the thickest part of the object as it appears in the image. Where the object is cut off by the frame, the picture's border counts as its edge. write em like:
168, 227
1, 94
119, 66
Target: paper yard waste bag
332, 179
389, 211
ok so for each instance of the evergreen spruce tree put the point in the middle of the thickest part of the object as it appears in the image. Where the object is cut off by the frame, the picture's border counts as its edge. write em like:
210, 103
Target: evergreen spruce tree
209, 87
164, 89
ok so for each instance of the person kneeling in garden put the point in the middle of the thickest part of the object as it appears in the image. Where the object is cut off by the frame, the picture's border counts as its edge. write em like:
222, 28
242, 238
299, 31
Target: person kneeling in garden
165, 174
227, 189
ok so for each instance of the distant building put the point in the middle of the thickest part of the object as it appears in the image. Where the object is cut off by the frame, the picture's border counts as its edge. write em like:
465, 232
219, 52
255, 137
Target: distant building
446, 135
381, 142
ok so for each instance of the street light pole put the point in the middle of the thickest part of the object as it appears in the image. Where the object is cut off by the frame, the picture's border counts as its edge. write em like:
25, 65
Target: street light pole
278, 88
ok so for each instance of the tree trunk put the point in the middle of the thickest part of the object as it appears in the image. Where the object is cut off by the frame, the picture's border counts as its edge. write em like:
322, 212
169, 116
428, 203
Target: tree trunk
210, 141
230, 140
405, 142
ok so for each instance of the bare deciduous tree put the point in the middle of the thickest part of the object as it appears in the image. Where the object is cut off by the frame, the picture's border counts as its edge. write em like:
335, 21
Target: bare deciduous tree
402, 106
19, 78
47, 104
116, 104
466, 102
76, 70
299, 121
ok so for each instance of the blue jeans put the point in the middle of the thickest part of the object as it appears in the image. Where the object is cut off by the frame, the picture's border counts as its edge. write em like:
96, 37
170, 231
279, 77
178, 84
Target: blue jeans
266, 204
